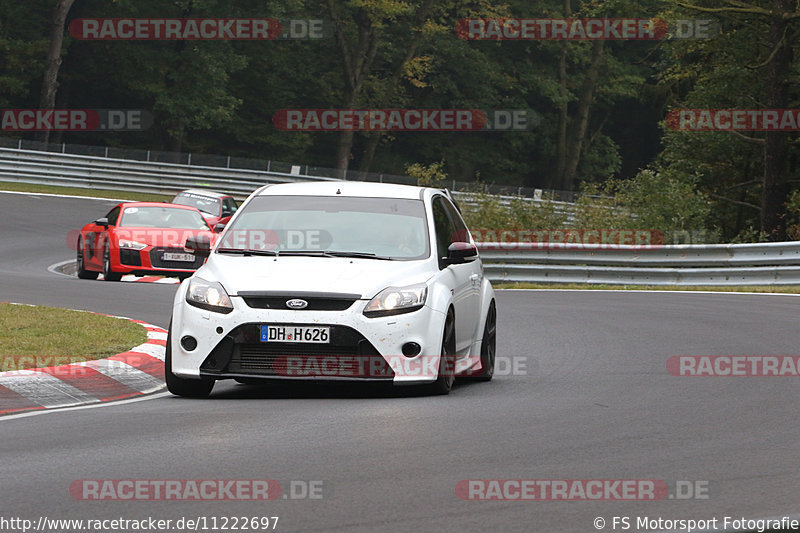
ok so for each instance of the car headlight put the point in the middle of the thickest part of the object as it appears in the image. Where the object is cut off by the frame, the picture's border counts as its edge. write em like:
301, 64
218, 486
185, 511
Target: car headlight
397, 300
131, 245
208, 295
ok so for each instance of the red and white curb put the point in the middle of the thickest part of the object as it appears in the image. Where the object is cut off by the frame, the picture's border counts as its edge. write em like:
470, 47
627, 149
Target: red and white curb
133, 373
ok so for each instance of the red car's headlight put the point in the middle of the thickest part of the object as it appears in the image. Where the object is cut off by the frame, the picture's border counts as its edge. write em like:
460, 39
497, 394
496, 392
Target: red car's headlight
131, 245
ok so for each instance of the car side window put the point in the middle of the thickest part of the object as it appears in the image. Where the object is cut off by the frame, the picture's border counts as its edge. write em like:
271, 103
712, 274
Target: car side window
460, 233
443, 226
112, 216
228, 206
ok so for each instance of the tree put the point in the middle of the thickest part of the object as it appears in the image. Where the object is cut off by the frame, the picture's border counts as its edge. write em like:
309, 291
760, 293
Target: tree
47, 100
771, 25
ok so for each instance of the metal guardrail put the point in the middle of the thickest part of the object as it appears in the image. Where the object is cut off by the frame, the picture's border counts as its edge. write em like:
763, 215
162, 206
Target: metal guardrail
265, 165
693, 264
52, 168
722, 264
133, 176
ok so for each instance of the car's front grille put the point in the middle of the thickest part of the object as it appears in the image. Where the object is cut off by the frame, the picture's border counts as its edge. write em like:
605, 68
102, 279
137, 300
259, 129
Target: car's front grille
158, 262
313, 303
348, 354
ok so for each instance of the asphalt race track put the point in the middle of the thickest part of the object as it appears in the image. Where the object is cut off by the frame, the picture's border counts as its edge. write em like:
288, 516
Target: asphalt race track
593, 401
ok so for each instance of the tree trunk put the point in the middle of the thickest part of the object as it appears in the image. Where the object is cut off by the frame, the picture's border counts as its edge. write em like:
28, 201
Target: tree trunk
563, 110
776, 146
369, 151
585, 102
374, 139
47, 99
356, 64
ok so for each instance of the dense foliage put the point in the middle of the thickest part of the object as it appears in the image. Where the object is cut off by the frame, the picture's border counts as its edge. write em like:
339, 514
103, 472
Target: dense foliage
600, 105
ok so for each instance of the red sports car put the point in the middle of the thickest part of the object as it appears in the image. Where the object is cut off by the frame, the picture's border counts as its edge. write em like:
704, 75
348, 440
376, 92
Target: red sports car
216, 208
141, 238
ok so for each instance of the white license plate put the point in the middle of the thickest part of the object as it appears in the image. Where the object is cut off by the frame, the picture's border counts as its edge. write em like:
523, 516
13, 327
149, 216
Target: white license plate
177, 257
296, 334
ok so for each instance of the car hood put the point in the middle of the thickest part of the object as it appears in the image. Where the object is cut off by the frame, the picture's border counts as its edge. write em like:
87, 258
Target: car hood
365, 277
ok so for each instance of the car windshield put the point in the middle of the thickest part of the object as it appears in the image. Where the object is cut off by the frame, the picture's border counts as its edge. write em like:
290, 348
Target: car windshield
162, 217
332, 226
207, 205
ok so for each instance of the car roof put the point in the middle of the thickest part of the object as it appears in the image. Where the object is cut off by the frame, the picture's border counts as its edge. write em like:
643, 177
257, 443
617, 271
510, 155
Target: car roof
344, 188
203, 192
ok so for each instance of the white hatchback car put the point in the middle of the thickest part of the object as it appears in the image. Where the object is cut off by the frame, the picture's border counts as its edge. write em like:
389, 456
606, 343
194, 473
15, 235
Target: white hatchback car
335, 281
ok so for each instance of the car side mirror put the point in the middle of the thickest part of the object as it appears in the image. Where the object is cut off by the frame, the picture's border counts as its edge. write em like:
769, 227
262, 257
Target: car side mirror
218, 228
198, 245
102, 222
461, 252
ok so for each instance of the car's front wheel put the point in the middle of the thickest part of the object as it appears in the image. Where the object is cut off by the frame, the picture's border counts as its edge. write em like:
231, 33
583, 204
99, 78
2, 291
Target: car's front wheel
189, 388
108, 273
447, 362
488, 347
82, 272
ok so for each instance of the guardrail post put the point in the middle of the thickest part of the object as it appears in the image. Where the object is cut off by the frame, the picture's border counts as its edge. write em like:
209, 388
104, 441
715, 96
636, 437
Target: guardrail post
229, 162
106, 152
63, 148
189, 162
148, 155
269, 164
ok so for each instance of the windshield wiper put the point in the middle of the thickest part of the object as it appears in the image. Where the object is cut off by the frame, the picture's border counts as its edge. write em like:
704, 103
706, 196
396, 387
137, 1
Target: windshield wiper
336, 253
246, 252
360, 255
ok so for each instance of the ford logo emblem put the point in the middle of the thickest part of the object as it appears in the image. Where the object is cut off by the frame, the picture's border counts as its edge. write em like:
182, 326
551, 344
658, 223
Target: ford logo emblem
297, 303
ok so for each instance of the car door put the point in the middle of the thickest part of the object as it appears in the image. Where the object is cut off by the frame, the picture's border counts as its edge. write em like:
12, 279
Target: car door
463, 279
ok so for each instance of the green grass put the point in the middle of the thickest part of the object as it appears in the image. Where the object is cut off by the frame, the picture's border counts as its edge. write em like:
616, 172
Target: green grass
33, 337
741, 288
94, 193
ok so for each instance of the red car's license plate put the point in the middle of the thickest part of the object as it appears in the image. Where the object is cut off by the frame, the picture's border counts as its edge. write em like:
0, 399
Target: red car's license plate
177, 257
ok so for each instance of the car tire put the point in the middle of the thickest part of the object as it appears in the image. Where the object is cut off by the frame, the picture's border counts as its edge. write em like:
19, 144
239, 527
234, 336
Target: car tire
81, 265
188, 388
488, 347
108, 273
446, 377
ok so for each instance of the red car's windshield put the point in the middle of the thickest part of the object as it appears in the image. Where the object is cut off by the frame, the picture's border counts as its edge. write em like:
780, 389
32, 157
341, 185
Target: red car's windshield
162, 217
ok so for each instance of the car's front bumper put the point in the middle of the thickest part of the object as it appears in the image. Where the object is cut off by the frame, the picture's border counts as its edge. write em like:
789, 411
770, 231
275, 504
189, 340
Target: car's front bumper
361, 348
